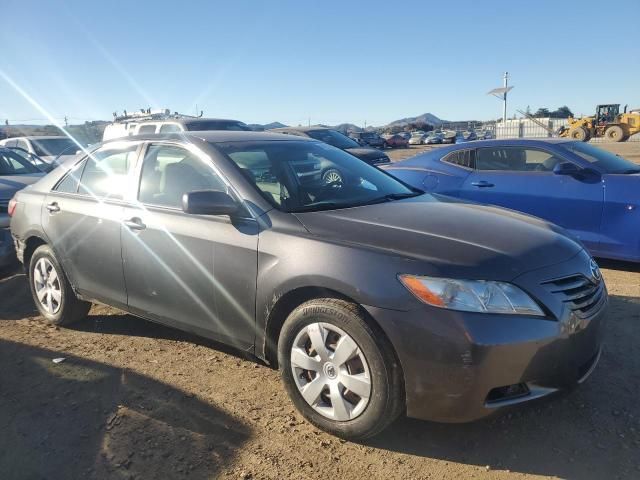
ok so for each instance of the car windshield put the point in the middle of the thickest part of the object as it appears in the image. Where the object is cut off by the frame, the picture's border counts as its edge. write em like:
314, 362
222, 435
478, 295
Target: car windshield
302, 176
32, 159
13, 164
605, 161
203, 125
334, 138
52, 147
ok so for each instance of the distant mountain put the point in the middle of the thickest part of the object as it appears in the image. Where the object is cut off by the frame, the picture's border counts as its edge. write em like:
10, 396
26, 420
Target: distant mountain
428, 118
266, 126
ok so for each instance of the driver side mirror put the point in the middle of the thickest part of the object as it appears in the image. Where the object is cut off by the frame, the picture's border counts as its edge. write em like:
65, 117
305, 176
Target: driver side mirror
209, 202
566, 168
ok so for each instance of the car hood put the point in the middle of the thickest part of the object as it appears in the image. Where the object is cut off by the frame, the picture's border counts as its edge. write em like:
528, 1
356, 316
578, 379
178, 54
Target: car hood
448, 237
10, 184
366, 154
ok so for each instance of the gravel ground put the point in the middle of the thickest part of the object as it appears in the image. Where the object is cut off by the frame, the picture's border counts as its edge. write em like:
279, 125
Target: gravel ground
133, 399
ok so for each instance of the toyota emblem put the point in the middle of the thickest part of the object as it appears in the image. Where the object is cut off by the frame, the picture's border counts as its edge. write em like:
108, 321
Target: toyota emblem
595, 271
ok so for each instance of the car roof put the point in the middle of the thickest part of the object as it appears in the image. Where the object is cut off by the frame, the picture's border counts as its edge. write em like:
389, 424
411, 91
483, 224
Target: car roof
182, 120
214, 136
301, 129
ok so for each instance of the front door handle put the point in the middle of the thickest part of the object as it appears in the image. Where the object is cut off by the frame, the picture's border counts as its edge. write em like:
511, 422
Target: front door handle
53, 207
482, 184
135, 224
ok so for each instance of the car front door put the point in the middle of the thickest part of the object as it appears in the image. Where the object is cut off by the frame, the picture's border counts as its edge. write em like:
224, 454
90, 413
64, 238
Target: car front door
194, 271
522, 178
82, 216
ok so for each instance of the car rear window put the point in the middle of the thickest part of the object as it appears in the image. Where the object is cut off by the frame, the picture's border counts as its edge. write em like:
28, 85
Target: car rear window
462, 158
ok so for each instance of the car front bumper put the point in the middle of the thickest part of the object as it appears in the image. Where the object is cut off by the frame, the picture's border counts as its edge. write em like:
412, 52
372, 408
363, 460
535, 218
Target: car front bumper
461, 366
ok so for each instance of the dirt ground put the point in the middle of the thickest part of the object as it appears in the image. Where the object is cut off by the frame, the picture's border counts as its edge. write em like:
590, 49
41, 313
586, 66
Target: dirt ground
136, 400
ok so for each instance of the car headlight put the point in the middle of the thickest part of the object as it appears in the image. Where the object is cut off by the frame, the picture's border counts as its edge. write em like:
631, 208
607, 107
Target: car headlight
471, 295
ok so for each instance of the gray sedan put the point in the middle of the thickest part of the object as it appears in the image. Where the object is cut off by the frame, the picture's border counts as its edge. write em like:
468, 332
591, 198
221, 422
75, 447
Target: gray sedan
372, 298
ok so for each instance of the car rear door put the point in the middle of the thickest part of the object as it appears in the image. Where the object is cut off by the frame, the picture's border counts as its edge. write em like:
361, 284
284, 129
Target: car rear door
522, 178
82, 216
194, 271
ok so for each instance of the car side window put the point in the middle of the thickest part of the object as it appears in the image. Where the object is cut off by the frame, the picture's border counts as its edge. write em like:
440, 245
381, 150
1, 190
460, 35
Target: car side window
71, 180
257, 167
516, 159
147, 129
22, 144
105, 174
462, 158
170, 171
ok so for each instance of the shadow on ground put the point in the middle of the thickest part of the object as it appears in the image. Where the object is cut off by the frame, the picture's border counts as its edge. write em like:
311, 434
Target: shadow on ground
590, 433
83, 419
15, 298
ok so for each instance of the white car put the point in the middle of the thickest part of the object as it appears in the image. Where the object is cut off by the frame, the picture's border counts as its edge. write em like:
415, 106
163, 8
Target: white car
48, 148
417, 138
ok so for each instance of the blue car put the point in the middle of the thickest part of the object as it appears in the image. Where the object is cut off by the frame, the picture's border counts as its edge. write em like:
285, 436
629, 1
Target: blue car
592, 193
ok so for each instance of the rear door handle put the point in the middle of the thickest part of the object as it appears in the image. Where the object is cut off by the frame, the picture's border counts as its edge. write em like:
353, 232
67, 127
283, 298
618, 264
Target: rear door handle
135, 224
53, 207
482, 184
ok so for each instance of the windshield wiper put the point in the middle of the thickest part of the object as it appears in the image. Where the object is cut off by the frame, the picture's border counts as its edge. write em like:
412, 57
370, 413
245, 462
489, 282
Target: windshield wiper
394, 196
630, 171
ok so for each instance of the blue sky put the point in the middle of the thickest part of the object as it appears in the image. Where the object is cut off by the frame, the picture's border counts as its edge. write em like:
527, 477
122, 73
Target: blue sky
330, 61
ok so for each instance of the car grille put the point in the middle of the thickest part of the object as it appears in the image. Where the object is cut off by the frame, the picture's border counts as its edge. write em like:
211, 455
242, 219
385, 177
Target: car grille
582, 295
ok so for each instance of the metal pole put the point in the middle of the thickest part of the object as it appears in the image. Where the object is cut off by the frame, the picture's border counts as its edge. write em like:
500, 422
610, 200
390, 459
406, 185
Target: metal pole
504, 104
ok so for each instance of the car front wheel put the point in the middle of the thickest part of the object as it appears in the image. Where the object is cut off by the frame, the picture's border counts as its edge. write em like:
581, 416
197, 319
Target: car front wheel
340, 374
51, 291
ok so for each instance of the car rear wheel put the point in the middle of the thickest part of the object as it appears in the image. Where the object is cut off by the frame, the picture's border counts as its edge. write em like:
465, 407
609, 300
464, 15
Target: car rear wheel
51, 291
341, 376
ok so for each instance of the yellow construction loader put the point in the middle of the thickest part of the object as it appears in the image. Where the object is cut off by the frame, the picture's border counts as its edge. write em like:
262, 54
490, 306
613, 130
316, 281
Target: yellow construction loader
608, 122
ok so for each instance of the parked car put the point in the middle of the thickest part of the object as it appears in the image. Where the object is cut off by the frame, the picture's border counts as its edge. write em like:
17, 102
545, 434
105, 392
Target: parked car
33, 159
405, 135
395, 141
433, 139
372, 298
48, 148
587, 190
370, 155
15, 174
448, 136
466, 136
417, 138
169, 124
371, 139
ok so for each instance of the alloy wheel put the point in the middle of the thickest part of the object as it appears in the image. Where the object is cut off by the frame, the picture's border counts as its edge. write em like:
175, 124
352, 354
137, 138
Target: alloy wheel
330, 371
46, 282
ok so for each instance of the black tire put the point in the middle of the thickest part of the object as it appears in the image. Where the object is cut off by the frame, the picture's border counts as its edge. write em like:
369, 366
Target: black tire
71, 309
579, 133
386, 401
614, 133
